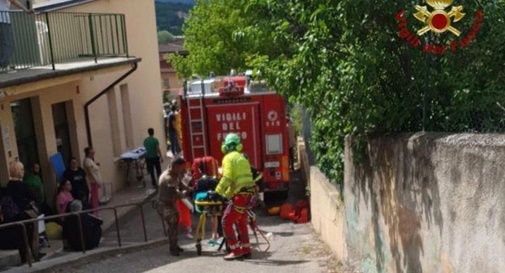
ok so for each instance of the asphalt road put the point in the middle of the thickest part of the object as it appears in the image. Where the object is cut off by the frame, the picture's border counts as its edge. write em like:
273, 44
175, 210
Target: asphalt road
293, 249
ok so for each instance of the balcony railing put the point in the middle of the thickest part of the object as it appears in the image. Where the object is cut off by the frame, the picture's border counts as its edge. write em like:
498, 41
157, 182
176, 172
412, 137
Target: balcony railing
47, 39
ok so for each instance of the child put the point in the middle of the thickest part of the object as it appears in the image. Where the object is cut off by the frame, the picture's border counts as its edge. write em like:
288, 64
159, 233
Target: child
64, 196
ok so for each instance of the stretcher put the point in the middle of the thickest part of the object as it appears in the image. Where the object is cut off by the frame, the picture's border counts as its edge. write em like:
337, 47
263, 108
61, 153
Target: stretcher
135, 159
207, 208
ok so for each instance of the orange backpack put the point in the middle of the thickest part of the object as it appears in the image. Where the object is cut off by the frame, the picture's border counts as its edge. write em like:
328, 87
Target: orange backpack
304, 216
287, 211
302, 212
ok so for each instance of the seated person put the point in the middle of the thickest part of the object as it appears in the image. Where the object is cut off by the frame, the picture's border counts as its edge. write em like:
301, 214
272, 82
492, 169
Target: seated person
91, 228
64, 196
202, 171
34, 182
204, 166
12, 237
17, 190
19, 204
203, 186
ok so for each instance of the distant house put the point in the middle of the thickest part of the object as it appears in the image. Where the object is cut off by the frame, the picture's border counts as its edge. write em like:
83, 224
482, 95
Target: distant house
170, 82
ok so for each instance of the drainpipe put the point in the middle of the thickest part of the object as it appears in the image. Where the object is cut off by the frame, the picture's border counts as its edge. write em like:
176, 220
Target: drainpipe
103, 92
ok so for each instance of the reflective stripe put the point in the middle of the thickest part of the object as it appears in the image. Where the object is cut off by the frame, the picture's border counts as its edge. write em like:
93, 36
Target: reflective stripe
246, 245
240, 177
258, 178
227, 178
240, 209
247, 191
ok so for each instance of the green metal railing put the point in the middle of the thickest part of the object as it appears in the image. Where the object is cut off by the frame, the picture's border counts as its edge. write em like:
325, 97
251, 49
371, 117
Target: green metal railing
51, 38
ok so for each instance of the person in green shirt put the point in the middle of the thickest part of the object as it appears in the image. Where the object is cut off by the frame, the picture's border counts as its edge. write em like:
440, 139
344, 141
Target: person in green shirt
153, 156
35, 185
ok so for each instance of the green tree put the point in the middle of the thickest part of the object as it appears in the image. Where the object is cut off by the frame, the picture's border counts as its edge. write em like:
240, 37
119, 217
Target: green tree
212, 38
171, 16
358, 77
165, 37
221, 35
344, 61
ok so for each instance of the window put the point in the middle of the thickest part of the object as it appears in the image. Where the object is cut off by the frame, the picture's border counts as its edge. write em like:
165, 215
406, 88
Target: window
127, 115
274, 144
114, 122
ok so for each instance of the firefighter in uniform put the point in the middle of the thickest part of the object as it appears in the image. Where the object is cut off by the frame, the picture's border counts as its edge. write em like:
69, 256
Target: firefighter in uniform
236, 184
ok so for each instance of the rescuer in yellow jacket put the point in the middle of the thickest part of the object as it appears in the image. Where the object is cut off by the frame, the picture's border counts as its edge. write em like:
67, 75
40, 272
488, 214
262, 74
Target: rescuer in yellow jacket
236, 184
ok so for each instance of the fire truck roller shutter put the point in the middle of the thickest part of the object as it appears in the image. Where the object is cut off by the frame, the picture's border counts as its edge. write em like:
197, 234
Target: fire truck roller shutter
276, 167
241, 119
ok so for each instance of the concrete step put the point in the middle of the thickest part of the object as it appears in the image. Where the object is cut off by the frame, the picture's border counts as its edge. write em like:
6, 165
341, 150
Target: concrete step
9, 258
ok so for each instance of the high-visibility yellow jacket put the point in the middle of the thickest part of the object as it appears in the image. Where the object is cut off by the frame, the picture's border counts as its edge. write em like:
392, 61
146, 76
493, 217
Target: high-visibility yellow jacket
236, 175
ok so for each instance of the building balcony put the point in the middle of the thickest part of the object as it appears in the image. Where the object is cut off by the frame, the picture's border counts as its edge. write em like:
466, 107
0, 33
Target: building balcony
45, 45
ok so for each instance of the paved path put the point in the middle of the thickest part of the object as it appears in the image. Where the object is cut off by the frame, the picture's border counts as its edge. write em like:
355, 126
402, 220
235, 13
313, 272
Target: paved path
294, 248
292, 251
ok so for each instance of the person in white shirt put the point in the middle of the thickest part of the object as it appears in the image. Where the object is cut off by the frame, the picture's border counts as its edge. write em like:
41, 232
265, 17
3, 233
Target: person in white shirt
94, 177
6, 35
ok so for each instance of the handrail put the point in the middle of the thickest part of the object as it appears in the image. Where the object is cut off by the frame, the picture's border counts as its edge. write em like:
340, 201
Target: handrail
23, 223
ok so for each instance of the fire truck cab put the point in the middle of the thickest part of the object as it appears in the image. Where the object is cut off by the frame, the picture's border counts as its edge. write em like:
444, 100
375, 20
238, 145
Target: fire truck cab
213, 108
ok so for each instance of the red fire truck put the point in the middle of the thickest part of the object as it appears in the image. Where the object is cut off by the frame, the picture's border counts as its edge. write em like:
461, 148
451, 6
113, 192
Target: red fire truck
213, 108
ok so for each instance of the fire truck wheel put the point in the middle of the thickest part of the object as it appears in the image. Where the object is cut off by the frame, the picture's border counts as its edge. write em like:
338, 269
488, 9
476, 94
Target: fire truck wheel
275, 197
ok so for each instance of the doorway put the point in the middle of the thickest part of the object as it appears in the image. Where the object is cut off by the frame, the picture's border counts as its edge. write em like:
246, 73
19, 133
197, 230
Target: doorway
22, 115
62, 131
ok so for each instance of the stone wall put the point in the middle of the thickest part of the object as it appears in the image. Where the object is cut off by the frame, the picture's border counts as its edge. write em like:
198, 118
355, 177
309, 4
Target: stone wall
429, 203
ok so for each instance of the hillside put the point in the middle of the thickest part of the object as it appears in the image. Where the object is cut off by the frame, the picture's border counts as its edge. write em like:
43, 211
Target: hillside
170, 14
